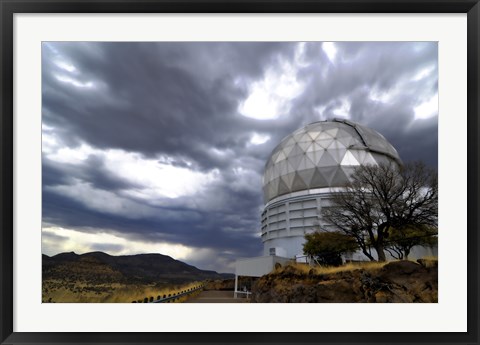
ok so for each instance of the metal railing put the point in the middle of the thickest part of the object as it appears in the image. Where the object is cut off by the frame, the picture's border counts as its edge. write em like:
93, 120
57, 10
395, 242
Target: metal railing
171, 296
246, 293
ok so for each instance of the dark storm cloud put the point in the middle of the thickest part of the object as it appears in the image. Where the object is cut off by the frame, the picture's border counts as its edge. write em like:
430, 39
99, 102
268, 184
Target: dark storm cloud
382, 68
178, 104
149, 90
207, 230
108, 247
53, 237
93, 171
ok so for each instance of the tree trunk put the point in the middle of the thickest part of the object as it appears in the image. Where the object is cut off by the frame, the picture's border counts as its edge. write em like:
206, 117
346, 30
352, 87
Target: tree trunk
368, 255
381, 232
407, 252
380, 253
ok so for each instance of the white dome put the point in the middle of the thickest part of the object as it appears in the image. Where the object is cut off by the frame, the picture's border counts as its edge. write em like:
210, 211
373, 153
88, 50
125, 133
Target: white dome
323, 154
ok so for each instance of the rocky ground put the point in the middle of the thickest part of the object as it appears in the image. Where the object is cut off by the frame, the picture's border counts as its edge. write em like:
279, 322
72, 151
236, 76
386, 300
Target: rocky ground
395, 282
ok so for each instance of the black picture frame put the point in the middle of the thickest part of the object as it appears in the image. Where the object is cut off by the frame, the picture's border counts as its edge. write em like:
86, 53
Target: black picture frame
7, 174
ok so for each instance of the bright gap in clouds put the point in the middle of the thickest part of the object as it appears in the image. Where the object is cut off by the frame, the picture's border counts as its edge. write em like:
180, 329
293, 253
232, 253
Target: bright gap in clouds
423, 73
50, 147
103, 201
382, 96
300, 56
330, 49
65, 66
337, 108
59, 240
270, 98
152, 178
258, 139
343, 110
427, 109
76, 83
159, 179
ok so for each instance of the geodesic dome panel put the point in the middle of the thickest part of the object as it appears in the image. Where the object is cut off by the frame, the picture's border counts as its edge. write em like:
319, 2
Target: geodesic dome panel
323, 154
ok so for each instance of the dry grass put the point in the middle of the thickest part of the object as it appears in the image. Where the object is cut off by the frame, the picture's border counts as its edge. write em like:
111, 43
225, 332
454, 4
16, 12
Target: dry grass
307, 269
130, 294
351, 267
366, 265
81, 292
430, 257
430, 261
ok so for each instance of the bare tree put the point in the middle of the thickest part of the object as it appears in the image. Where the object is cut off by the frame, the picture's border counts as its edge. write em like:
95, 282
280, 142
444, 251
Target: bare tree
382, 197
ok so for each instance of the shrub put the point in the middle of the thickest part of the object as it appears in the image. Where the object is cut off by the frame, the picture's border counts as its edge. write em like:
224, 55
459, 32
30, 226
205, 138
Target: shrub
327, 247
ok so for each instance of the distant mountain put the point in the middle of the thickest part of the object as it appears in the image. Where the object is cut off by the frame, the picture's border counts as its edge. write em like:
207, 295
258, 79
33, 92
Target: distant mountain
145, 268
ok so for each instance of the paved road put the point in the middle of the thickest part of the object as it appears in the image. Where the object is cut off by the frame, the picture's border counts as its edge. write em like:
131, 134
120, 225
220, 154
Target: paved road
216, 297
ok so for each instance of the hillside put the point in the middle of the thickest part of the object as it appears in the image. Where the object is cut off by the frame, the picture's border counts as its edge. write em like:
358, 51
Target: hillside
394, 282
145, 268
99, 277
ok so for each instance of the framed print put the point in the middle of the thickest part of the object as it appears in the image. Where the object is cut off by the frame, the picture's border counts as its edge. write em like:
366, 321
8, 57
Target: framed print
230, 172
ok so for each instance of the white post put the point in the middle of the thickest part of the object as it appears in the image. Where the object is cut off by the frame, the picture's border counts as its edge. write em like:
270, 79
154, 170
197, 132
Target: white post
236, 284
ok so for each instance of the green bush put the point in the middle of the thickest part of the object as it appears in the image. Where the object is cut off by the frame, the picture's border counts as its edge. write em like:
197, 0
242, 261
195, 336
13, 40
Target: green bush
327, 247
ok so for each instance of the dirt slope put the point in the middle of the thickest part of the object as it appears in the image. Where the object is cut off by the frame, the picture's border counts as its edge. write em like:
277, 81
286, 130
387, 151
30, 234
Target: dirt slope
396, 282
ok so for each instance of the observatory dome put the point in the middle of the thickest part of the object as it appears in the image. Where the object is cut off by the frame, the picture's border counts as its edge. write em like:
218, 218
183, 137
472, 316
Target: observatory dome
323, 154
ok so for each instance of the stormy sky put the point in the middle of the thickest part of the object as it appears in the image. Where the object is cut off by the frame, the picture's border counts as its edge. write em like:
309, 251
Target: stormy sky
160, 147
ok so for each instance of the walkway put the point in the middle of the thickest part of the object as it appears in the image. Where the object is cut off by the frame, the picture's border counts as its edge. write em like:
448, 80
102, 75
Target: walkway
212, 296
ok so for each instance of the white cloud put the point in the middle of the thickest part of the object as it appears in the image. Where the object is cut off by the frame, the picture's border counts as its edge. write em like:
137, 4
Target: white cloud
47, 128
49, 141
427, 109
65, 66
78, 155
156, 178
244, 180
343, 110
300, 55
258, 139
330, 49
320, 110
382, 96
337, 108
270, 98
60, 240
423, 73
103, 201
57, 240
74, 82
220, 153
